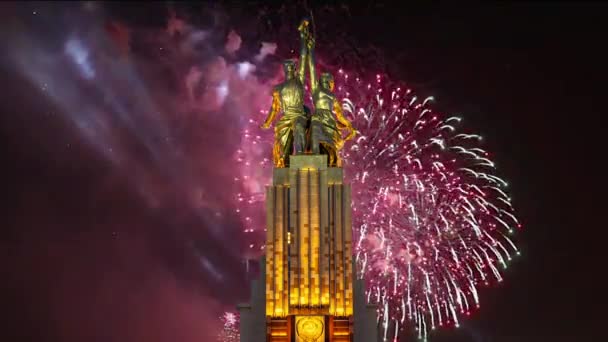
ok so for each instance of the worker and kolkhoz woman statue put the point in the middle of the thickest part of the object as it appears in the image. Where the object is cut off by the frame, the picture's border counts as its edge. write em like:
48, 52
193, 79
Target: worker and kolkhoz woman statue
299, 131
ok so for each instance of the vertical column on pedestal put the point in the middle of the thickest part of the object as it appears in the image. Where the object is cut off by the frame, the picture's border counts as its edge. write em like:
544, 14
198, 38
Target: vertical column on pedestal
281, 250
324, 238
340, 249
331, 237
294, 248
348, 253
339, 246
269, 249
315, 243
278, 250
304, 229
276, 256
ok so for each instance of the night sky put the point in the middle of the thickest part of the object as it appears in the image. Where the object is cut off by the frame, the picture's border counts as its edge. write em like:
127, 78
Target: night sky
126, 234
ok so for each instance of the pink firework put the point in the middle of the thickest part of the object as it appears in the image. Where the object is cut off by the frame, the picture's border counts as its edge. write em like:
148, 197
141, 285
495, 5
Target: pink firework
430, 219
230, 328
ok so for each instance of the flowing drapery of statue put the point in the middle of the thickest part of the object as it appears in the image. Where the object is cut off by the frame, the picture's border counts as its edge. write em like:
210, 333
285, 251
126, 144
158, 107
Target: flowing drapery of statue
297, 131
288, 98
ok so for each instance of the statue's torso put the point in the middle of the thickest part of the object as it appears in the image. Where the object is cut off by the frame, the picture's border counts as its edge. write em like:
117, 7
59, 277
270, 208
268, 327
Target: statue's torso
324, 99
292, 95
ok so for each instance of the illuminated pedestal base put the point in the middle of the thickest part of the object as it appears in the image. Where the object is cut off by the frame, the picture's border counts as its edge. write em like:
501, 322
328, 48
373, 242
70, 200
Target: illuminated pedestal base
307, 291
256, 327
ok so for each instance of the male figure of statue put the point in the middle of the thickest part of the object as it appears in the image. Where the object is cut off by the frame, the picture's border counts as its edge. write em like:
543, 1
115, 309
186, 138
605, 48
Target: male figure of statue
326, 133
288, 97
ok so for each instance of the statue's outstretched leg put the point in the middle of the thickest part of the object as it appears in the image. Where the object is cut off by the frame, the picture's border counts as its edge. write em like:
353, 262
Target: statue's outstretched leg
278, 155
299, 134
287, 150
316, 133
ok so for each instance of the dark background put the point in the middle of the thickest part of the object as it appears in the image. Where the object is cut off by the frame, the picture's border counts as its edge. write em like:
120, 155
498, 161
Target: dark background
530, 77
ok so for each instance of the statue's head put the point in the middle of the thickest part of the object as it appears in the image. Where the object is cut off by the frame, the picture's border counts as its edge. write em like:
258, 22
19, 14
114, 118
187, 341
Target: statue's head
327, 81
289, 67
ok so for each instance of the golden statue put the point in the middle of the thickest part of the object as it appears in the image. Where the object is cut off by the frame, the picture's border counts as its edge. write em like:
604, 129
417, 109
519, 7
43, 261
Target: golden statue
292, 129
288, 97
325, 132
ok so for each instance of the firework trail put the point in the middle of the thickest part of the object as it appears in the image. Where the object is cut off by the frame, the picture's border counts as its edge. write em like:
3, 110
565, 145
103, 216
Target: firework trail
431, 221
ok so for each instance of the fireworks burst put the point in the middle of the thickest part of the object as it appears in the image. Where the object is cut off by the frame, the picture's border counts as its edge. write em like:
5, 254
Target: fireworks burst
431, 221
230, 328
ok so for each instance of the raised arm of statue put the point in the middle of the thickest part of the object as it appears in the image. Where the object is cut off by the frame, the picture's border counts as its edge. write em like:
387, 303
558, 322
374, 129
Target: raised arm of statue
314, 83
304, 38
275, 108
301, 74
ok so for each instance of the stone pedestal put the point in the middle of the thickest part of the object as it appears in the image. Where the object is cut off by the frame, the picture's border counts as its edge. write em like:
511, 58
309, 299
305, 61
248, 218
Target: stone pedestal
306, 288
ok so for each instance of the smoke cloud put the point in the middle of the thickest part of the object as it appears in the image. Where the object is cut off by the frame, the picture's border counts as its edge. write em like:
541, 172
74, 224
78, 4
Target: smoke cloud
143, 244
